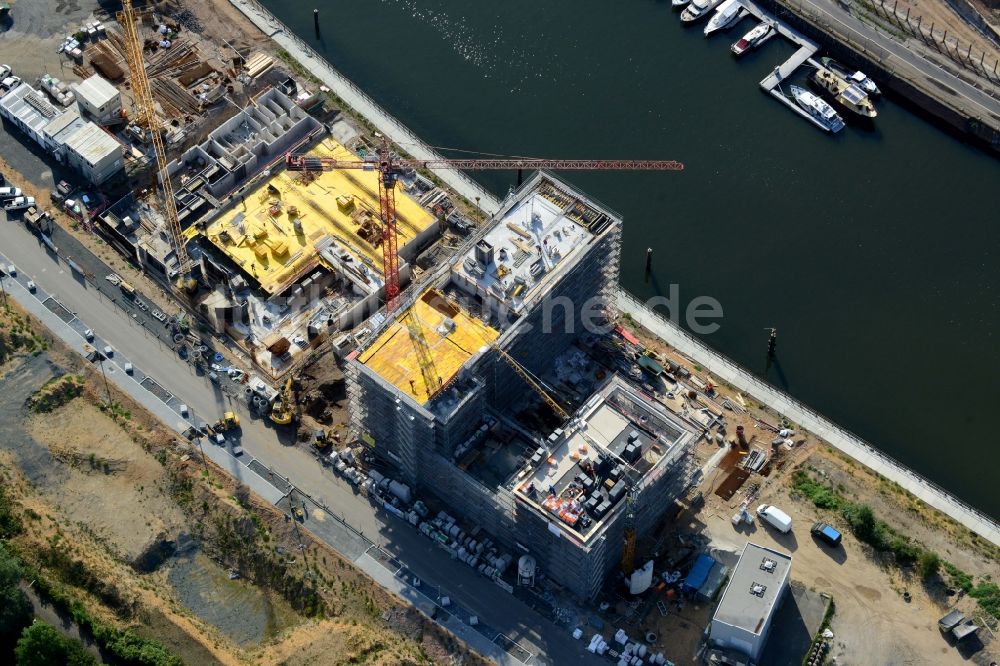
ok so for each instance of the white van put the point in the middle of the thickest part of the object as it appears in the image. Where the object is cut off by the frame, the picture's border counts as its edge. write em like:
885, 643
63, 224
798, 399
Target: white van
774, 516
9, 192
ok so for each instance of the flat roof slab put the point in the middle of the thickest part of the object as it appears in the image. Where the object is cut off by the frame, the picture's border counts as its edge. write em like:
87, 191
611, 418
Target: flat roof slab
427, 344
529, 246
261, 236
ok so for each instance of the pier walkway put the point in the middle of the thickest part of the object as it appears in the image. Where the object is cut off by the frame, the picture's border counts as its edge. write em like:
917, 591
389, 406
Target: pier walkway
847, 442
807, 49
358, 100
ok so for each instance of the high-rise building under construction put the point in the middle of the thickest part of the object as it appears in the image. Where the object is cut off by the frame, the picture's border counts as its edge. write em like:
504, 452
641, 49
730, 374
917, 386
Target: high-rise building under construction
448, 391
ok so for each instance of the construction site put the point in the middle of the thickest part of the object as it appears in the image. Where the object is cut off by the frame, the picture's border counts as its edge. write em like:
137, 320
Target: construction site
490, 389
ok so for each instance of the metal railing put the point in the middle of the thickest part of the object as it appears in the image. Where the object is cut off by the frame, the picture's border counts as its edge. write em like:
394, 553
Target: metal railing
769, 394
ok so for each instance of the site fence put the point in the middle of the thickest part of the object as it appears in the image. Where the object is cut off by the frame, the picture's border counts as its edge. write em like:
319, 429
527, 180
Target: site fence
850, 443
390, 125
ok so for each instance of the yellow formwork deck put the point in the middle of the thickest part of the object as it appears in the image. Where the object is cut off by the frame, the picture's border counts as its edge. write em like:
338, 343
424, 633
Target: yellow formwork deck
260, 234
423, 332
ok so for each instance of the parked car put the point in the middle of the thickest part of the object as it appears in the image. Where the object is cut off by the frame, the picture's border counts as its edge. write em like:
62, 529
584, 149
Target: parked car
5, 71
89, 335
826, 533
775, 517
10, 83
19, 203
9, 193
31, 286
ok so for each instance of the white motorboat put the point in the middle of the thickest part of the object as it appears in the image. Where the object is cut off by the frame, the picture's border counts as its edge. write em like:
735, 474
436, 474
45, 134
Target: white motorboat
726, 15
677, 4
818, 109
858, 78
698, 9
752, 39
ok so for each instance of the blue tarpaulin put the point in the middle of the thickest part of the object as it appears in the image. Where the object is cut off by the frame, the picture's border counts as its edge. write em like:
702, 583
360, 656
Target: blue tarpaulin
699, 573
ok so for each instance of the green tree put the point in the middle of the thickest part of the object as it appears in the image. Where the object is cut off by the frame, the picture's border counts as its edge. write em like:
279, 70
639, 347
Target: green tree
928, 565
15, 609
862, 521
41, 645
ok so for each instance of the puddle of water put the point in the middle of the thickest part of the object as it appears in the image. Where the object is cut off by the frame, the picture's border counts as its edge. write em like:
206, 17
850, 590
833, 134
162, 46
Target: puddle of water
239, 609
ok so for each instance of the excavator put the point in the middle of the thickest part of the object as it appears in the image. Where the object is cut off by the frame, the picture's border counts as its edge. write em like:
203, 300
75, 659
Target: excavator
229, 421
282, 409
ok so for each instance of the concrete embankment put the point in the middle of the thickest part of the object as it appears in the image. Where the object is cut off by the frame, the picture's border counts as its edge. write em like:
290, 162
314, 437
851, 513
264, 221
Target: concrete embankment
745, 381
719, 365
946, 93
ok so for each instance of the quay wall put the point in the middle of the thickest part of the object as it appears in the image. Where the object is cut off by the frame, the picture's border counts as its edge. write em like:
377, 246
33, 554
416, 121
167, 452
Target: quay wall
863, 54
722, 367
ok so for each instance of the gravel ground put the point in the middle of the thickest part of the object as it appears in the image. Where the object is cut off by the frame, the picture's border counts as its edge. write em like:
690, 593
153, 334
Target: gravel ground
36, 29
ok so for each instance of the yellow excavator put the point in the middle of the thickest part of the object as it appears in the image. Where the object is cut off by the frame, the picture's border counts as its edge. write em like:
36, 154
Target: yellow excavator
282, 408
228, 421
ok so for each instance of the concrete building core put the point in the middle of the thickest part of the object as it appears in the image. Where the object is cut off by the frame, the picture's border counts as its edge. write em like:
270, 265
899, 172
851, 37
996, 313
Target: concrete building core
447, 413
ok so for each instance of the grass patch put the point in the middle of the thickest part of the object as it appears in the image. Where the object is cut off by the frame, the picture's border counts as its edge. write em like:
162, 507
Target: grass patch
988, 595
56, 393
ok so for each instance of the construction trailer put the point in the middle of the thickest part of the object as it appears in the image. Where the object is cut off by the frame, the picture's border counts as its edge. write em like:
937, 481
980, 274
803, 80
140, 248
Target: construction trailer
435, 388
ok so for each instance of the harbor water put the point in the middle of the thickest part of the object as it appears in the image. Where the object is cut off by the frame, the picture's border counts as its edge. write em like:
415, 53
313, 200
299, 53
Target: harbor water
874, 252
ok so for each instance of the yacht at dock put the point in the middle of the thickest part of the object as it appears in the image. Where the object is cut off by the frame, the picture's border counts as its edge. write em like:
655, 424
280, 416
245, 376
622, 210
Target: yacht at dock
844, 93
753, 38
698, 9
818, 109
728, 13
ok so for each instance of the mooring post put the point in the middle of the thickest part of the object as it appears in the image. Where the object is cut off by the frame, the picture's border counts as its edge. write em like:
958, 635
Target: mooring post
772, 342
649, 262
316, 21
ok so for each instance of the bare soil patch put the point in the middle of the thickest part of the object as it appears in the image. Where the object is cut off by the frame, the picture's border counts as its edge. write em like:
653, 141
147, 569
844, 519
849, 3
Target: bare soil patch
114, 487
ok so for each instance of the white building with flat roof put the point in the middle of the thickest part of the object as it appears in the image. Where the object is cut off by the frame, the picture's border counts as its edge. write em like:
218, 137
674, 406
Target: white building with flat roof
742, 621
69, 138
94, 153
98, 99
30, 111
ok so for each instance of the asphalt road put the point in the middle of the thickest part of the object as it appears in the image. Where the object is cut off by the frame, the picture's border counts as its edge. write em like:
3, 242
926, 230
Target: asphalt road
978, 102
275, 449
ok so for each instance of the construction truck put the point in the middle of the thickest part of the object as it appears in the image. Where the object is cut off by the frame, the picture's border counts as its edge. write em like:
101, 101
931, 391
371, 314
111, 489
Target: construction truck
229, 421
282, 409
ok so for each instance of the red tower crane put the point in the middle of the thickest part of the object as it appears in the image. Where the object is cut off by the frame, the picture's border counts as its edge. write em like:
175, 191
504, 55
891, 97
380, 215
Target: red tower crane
390, 167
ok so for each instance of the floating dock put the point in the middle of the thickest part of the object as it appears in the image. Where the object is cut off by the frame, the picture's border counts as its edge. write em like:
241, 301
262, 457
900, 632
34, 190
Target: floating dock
807, 49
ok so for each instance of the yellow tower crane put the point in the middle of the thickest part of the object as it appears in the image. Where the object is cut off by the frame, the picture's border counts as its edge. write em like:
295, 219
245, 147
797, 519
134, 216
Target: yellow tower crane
127, 17
523, 374
424, 358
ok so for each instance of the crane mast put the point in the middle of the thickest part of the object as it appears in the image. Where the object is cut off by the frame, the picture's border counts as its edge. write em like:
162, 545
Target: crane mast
147, 112
390, 167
